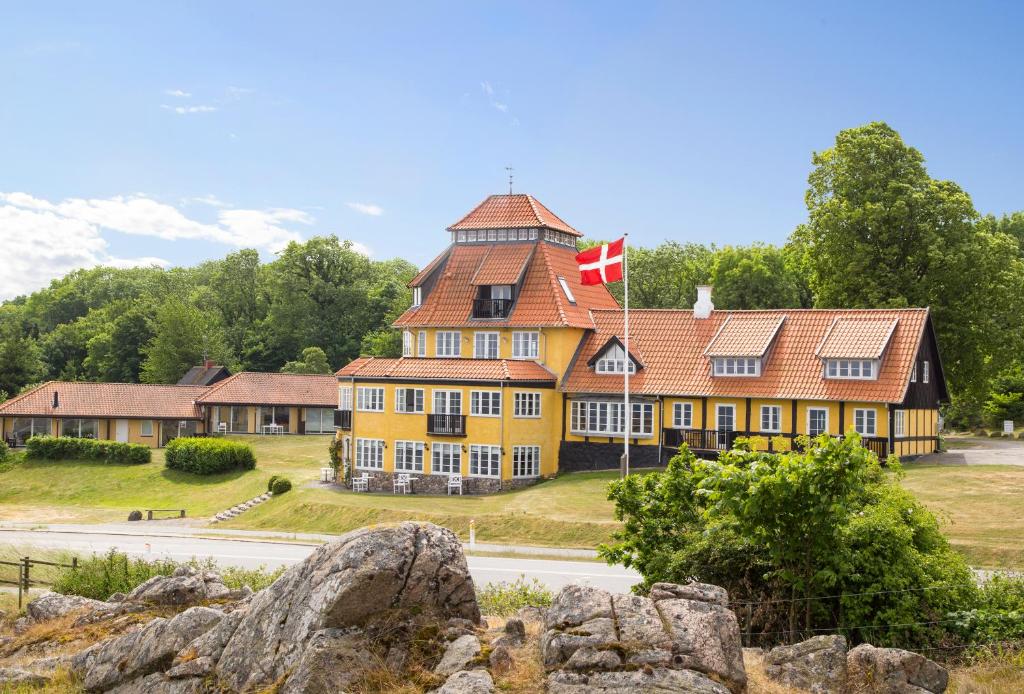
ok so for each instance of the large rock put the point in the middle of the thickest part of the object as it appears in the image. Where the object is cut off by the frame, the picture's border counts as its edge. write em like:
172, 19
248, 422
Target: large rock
349, 582
817, 665
647, 681
458, 654
893, 671
52, 605
186, 586
140, 653
158, 683
16, 677
331, 662
467, 682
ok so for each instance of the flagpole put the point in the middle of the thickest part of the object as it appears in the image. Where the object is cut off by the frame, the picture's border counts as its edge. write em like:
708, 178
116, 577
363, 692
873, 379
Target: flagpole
625, 291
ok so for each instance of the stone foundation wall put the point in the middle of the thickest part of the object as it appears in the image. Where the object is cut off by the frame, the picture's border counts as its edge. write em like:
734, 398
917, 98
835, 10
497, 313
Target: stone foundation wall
576, 456
438, 484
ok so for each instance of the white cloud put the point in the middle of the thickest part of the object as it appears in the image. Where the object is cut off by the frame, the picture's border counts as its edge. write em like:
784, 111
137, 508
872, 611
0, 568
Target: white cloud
184, 110
366, 208
361, 248
43, 240
486, 87
178, 93
208, 199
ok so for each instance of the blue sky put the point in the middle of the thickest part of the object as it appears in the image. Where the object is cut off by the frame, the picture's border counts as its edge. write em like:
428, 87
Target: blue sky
176, 132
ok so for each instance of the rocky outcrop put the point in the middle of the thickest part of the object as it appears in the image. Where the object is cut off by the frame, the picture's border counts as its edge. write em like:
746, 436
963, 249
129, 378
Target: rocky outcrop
53, 605
467, 682
15, 677
624, 642
186, 586
893, 671
817, 665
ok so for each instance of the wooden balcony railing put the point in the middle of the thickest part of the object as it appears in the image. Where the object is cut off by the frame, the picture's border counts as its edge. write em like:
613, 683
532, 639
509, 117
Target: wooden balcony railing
715, 440
446, 424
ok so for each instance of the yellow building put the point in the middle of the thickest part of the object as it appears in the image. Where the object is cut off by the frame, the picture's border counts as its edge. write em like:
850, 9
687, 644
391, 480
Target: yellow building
513, 370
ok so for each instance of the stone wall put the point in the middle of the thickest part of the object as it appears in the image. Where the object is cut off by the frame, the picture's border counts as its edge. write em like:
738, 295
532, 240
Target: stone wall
577, 456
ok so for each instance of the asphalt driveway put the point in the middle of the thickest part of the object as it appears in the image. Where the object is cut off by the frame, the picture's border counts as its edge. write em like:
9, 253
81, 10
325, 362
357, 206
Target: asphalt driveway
979, 451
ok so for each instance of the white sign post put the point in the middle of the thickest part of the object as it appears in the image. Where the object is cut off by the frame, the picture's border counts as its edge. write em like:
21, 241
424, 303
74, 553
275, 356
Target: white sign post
1008, 426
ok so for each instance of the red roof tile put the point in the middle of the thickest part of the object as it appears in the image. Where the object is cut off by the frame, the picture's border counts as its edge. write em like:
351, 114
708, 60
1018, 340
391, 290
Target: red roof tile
503, 267
517, 211
105, 400
673, 344
421, 368
541, 301
251, 388
745, 336
856, 338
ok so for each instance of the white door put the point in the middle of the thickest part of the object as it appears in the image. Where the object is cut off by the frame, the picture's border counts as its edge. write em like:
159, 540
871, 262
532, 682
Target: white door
122, 430
725, 422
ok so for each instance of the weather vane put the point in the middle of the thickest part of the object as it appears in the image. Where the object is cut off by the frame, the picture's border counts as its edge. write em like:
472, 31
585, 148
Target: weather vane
509, 169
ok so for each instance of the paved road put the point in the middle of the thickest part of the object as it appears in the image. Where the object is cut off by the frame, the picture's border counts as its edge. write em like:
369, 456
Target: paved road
979, 451
253, 553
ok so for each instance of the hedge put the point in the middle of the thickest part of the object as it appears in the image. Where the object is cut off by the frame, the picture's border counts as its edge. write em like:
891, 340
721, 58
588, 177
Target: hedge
208, 456
69, 448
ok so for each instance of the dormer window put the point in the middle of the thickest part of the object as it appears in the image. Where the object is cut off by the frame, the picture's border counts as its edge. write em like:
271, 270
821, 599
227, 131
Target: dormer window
736, 366
417, 296
493, 301
614, 361
862, 369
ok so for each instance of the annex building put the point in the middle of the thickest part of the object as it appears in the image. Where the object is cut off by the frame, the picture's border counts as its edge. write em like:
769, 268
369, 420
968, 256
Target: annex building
512, 369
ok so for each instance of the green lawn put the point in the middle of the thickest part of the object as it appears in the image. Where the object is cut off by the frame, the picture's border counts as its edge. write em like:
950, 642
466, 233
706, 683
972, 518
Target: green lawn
981, 508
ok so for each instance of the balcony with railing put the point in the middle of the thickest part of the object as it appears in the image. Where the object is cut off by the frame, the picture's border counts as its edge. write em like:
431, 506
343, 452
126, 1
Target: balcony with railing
446, 424
722, 440
492, 308
343, 419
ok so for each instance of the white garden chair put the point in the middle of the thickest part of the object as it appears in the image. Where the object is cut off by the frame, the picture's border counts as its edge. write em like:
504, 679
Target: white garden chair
361, 483
455, 484
403, 483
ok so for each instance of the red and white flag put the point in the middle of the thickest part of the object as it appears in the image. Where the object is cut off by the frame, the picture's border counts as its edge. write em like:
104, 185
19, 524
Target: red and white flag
601, 264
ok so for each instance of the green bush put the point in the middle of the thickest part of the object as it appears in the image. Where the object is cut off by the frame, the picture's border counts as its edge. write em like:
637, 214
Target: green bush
281, 485
998, 614
5, 451
206, 456
69, 448
270, 482
506, 598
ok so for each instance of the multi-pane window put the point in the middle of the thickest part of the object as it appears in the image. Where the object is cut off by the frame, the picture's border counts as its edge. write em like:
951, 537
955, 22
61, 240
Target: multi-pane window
448, 343
421, 343
447, 402
485, 345
445, 458
525, 461
525, 344
369, 399
864, 422
409, 400
725, 417
924, 372
817, 421
370, 454
318, 420
484, 461
406, 343
80, 428
25, 428
737, 366
408, 456
682, 415
274, 416
604, 417
614, 361
850, 368
913, 373
485, 403
526, 405
417, 296
345, 398
901, 423
146, 427
771, 418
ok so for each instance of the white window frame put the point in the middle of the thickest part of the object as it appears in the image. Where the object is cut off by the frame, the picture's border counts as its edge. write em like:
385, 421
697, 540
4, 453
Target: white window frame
817, 409
527, 404
447, 397
736, 366
493, 460
924, 371
369, 454
142, 427
614, 361
525, 461
417, 296
900, 423
851, 369
439, 452
526, 344
345, 398
606, 418
406, 343
860, 421
486, 342
409, 456
774, 413
913, 373
370, 398
448, 343
421, 343
682, 415
418, 400
721, 407
479, 398
564, 285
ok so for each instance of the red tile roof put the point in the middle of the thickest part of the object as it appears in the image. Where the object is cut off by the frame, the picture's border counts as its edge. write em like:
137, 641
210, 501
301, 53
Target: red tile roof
673, 344
745, 336
251, 388
856, 338
421, 368
503, 267
541, 301
512, 212
105, 400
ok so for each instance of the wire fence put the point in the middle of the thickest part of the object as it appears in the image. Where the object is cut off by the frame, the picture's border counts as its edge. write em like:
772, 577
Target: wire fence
24, 580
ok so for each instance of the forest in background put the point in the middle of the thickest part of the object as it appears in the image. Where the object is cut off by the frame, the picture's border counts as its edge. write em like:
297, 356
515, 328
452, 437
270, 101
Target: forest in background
880, 233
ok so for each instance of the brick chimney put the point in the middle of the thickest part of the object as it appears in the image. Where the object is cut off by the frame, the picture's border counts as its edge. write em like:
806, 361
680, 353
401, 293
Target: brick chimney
207, 363
703, 308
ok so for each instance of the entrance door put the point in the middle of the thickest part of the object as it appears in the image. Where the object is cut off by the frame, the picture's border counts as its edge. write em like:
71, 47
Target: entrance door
122, 430
725, 423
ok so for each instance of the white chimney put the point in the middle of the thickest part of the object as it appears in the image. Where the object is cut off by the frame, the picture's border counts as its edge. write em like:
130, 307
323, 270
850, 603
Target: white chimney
703, 307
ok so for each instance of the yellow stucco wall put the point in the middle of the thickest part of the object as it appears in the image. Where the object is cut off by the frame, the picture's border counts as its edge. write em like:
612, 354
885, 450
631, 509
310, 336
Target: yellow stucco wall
918, 423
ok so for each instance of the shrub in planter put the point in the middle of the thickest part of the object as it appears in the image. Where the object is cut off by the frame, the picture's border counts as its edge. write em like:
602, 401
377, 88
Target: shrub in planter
281, 485
68, 448
206, 456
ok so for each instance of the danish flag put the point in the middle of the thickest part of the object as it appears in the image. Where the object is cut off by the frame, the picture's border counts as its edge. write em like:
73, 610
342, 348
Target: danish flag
601, 264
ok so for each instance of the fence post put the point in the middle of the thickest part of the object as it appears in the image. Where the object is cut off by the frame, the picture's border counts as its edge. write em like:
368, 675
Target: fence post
26, 581
74, 563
